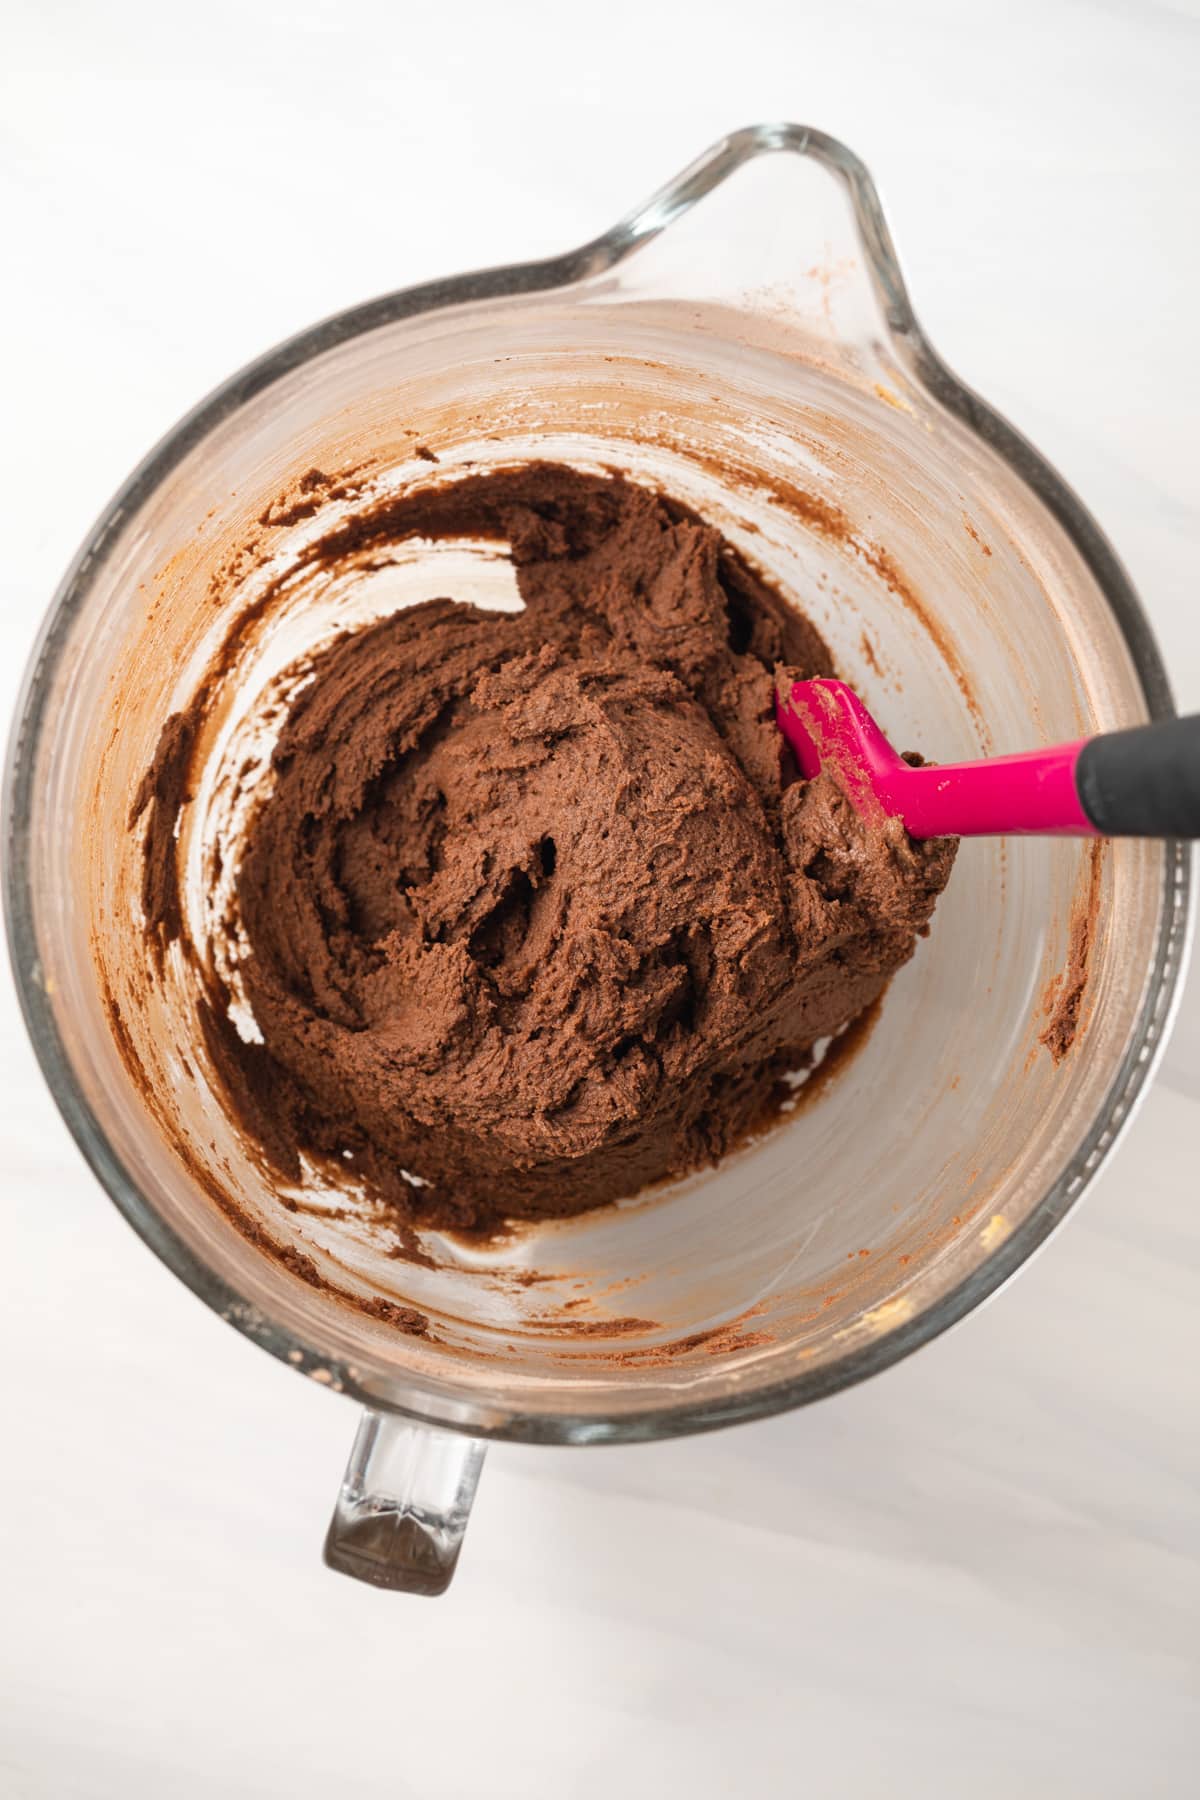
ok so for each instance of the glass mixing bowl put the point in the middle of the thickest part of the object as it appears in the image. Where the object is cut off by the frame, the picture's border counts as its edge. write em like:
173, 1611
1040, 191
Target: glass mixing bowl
744, 339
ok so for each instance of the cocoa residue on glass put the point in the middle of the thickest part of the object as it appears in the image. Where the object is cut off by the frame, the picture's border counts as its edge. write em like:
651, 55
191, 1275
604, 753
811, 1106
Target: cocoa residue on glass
1062, 998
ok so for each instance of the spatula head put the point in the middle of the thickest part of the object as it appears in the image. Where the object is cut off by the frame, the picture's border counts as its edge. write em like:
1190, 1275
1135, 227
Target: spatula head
824, 721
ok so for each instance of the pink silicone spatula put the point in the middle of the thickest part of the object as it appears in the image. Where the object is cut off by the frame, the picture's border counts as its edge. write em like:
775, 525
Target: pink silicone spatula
1144, 782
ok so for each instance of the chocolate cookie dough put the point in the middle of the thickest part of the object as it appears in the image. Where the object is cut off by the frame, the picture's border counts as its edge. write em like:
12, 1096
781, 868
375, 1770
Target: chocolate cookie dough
536, 909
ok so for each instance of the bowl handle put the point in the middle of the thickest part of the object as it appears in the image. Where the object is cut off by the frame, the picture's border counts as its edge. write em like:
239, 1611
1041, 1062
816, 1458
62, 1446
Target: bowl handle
404, 1504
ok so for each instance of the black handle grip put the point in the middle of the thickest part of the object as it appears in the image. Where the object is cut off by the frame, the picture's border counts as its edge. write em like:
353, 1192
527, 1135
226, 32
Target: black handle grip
1144, 782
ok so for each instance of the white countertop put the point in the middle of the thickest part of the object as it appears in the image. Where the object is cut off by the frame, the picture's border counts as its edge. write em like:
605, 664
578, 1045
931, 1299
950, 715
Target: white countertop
978, 1574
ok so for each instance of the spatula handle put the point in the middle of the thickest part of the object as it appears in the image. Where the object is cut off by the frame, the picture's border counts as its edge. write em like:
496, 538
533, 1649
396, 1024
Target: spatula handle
1144, 782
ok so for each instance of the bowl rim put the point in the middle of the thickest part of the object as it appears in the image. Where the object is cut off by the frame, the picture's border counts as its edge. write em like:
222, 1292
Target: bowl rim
915, 352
